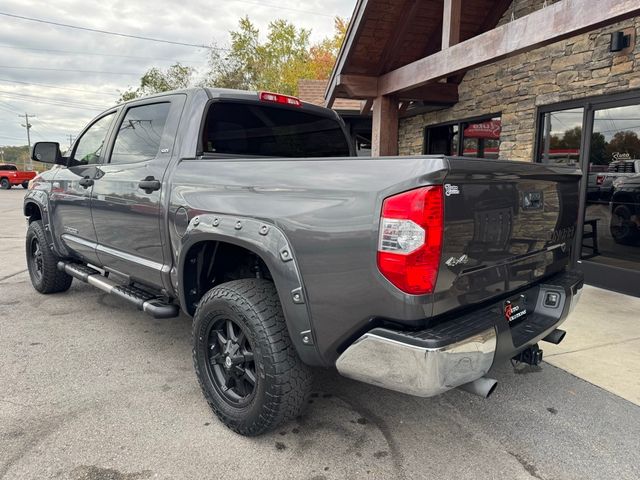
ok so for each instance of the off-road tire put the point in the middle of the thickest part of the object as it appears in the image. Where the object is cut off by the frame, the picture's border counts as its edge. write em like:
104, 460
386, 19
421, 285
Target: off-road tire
283, 382
5, 184
49, 279
624, 231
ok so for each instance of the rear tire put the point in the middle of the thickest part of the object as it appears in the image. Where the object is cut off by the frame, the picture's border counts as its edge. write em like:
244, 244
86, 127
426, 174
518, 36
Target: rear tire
249, 372
43, 263
623, 230
5, 184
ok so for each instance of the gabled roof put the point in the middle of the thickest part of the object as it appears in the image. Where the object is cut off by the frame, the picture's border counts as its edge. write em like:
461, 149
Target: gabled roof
387, 34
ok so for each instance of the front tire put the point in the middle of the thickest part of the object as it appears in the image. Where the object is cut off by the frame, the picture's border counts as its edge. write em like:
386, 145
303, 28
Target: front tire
246, 364
43, 263
5, 184
25, 185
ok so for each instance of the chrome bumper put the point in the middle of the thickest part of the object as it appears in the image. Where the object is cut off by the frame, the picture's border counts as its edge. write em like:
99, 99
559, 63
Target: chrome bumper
419, 371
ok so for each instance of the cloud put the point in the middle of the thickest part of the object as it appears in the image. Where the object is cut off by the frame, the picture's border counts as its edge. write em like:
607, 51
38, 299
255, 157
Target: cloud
66, 95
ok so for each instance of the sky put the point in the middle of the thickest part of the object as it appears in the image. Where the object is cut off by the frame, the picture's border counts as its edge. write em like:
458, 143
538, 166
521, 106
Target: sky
66, 76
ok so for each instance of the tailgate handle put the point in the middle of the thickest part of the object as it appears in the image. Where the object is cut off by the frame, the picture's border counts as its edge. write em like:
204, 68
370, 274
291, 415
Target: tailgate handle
149, 184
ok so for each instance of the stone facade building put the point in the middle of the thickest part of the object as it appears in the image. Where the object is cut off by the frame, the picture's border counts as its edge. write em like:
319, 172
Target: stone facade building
549, 81
580, 67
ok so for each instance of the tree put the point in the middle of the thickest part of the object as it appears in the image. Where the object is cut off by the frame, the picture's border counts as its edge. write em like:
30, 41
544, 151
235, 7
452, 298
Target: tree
250, 63
155, 80
277, 63
624, 142
323, 55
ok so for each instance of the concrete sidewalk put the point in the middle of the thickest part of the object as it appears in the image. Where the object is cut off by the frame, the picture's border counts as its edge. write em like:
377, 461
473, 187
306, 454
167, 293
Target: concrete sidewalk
602, 345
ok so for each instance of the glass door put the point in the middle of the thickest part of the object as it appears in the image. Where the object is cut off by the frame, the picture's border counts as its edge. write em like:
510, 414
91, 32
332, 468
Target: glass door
611, 234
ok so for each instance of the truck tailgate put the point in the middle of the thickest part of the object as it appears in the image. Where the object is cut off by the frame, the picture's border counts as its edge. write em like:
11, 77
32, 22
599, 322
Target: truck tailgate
507, 225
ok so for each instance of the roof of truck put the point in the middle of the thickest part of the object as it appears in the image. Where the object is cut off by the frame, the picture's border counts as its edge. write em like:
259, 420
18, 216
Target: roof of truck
231, 94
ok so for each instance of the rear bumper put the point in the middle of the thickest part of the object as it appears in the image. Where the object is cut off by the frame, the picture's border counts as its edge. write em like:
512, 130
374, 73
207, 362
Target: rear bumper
458, 349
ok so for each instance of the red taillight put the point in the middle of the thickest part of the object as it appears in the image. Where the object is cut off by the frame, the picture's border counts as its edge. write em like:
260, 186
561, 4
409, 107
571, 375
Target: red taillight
279, 98
410, 240
599, 179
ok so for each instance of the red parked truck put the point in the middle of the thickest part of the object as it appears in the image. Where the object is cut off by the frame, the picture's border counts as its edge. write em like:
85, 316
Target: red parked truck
10, 176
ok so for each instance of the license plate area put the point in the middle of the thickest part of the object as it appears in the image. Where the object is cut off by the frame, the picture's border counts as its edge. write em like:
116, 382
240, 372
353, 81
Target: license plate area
515, 309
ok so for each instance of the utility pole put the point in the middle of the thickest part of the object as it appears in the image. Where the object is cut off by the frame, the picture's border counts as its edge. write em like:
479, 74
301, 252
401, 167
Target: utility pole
70, 140
27, 125
2, 156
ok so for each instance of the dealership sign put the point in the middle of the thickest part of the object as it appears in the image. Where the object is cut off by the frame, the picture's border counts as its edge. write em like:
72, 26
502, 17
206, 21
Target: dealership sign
490, 129
621, 156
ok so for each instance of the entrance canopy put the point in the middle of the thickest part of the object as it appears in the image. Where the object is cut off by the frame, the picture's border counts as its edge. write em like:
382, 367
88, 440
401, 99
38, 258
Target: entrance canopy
401, 51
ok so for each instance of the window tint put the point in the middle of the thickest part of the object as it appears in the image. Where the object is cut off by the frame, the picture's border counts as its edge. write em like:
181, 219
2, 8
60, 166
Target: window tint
8, 167
89, 148
241, 129
140, 133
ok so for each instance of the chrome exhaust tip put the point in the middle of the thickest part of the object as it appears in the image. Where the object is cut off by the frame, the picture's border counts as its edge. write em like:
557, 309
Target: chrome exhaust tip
482, 387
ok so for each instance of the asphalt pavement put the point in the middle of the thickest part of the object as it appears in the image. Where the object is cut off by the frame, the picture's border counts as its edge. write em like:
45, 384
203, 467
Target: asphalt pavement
92, 389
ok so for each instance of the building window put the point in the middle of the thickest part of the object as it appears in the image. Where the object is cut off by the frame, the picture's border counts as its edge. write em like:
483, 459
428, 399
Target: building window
480, 138
602, 136
561, 136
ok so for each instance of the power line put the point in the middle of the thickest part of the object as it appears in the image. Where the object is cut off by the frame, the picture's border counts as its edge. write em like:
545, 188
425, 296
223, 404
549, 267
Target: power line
280, 7
61, 105
55, 86
76, 52
27, 96
11, 138
7, 110
107, 32
67, 70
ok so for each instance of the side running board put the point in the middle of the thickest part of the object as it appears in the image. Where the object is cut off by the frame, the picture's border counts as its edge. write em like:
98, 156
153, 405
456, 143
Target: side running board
145, 301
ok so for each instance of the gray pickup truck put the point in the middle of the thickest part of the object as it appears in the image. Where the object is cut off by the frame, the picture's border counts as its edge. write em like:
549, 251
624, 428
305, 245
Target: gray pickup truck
250, 213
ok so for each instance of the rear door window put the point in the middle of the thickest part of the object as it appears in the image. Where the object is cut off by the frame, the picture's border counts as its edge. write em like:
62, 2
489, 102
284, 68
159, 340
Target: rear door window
138, 138
271, 131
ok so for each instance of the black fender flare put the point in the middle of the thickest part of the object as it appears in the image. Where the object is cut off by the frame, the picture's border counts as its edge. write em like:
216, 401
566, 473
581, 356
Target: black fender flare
269, 243
40, 200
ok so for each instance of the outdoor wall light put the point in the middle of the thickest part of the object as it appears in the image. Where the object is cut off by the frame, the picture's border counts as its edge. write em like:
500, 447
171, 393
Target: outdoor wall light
619, 41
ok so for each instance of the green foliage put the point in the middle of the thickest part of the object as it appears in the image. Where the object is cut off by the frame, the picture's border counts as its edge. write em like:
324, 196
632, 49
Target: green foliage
274, 63
156, 81
601, 152
15, 154
277, 63
20, 157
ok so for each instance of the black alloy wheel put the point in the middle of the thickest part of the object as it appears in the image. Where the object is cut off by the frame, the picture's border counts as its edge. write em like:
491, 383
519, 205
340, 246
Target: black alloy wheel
230, 363
36, 259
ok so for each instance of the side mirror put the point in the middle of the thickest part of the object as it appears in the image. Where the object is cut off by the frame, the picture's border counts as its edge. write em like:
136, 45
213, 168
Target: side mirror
47, 152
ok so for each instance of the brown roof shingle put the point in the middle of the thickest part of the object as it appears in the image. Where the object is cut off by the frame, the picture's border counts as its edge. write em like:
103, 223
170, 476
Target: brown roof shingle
312, 91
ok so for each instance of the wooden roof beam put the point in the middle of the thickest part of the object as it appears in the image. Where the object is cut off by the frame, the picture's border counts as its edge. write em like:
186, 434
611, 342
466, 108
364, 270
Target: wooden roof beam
556, 22
358, 86
365, 106
435, 93
451, 19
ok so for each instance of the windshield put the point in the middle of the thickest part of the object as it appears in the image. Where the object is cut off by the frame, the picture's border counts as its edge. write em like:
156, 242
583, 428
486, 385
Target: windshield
271, 131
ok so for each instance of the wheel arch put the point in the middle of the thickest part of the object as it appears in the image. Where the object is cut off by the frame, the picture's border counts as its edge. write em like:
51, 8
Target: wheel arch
271, 248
